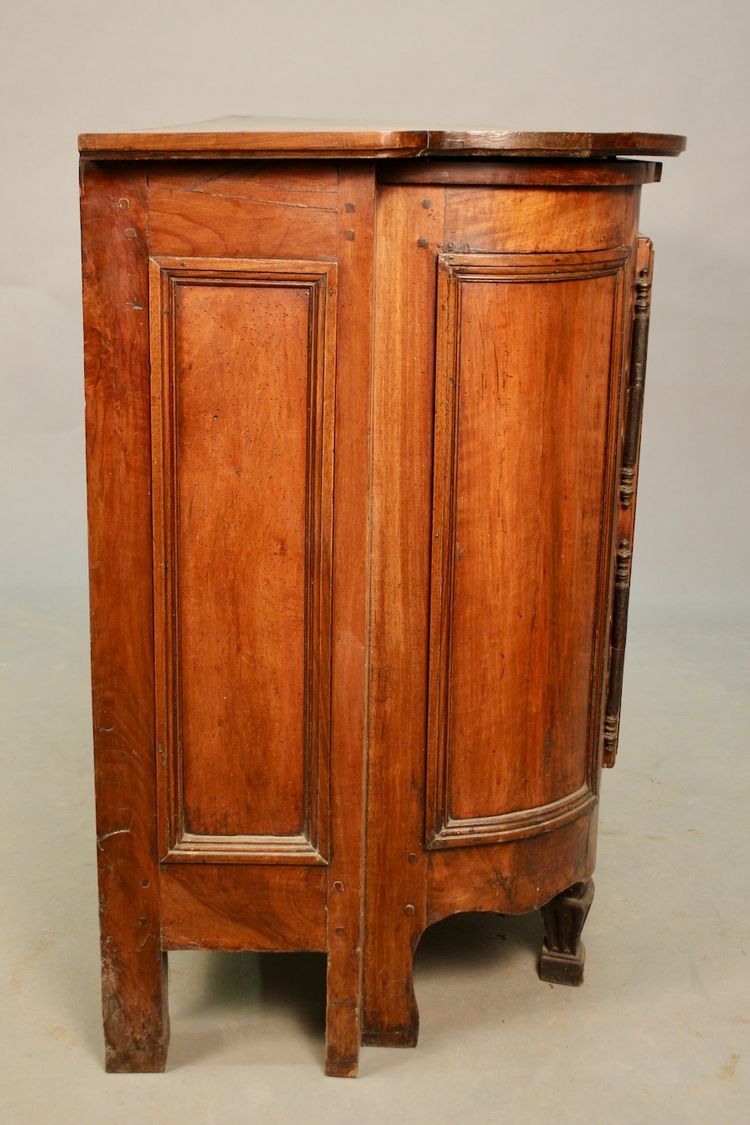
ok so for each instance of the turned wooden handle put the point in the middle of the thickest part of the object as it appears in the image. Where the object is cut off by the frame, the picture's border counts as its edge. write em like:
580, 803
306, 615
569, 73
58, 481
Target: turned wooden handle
631, 443
637, 380
617, 650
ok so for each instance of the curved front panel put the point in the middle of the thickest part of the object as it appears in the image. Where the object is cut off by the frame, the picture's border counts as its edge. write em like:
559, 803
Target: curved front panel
527, 359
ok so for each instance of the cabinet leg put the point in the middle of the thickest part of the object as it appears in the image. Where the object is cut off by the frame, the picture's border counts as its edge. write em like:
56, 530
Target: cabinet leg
136, 1017
562, 956
343, 1007
391, 1015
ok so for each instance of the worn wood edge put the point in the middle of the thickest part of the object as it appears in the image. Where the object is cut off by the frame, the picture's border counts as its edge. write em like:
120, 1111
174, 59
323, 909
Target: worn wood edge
189, 145
383, 144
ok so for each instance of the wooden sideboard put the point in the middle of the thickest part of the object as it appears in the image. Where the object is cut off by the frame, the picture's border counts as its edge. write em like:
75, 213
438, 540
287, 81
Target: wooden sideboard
363, 419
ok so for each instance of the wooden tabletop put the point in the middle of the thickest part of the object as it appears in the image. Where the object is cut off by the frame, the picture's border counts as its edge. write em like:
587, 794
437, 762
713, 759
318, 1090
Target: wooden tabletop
257, 137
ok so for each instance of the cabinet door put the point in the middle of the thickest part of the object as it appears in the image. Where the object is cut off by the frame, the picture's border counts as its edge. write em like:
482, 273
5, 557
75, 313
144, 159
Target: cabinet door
526, 395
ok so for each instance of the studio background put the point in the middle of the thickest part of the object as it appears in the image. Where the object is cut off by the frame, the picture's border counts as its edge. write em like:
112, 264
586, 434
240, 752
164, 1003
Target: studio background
678, 67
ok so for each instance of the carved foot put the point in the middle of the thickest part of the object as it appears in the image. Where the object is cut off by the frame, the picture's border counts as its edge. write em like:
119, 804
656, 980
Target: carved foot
562, 956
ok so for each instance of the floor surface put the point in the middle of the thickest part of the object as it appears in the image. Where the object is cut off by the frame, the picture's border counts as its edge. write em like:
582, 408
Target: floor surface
659, 1032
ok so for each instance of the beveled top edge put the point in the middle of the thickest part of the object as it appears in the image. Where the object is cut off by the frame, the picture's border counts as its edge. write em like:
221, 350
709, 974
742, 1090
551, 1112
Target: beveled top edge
237, 137
557, 145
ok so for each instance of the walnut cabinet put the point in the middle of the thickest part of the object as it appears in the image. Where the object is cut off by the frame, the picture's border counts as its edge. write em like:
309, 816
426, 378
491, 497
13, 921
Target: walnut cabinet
363, 417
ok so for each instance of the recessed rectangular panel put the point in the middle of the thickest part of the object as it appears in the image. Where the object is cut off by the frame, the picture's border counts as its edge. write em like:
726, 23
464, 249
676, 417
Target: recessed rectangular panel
241, 368
524, 415
243, 411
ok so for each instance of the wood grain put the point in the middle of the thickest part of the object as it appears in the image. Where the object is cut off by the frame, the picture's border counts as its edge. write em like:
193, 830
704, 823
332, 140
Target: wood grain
525, 413
515, 219
208, 908
243, 362
250, 210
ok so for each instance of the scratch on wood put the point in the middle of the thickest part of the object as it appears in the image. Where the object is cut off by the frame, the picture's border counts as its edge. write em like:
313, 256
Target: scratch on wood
145, 922
115, 832
262, 202
200, 183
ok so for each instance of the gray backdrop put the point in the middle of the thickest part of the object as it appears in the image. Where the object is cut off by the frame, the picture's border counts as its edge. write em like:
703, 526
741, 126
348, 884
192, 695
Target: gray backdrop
674, 67
659, 1033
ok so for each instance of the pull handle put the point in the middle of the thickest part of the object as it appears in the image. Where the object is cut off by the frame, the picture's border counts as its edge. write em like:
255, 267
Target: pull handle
617, 650
637, 378
631, 444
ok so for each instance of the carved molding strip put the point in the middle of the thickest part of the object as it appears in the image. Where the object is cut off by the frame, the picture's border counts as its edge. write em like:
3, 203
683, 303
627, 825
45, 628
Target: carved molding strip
319, 280
515, 825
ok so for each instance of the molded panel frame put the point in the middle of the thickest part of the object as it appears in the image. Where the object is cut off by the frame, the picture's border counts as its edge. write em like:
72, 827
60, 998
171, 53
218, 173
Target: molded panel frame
454, 271
166, 273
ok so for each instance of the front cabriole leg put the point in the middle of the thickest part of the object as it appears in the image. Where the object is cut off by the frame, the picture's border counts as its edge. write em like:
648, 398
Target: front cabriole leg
562, 956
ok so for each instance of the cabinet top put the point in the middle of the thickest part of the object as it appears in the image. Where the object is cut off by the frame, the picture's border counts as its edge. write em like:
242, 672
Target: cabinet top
258, 137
